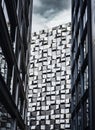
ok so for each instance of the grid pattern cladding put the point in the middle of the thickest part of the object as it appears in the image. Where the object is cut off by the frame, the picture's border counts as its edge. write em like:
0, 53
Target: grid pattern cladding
49, 80
81, 66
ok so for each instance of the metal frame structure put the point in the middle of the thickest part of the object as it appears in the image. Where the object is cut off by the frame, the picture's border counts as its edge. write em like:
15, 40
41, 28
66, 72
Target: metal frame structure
15, 24
82, 50
50, 79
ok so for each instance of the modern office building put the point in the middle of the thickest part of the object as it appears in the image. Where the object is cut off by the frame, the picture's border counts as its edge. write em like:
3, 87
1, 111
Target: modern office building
50, 79
15, 31
83, 65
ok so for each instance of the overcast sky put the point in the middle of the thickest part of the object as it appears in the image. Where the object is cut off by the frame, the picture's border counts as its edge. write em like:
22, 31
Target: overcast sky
49, 13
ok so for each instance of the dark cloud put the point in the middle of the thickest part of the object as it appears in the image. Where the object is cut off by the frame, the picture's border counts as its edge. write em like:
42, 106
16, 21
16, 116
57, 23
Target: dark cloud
49, 8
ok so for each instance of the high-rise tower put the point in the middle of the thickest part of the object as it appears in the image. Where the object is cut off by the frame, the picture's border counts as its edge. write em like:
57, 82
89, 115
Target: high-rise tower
50, 79
83, 62
15, 30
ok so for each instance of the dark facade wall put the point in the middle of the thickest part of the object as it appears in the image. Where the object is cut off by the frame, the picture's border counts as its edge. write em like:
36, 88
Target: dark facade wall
15, 32
83, 93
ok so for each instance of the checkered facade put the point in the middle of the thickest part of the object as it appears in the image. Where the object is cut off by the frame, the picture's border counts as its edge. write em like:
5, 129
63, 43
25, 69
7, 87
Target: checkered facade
50, 79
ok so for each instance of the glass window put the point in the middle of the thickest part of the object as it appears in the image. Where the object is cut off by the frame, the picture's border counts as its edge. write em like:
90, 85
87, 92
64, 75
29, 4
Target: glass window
78, 91
78, 14
6, 15
85, 46
85, 17
86, 113
79, 37
6, 121
3, 66
74, 101
86, 79
79, 63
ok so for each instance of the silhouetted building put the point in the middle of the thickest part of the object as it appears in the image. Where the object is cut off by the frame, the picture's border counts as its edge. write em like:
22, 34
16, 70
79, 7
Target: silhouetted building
15, 32
50, 79
83, 70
